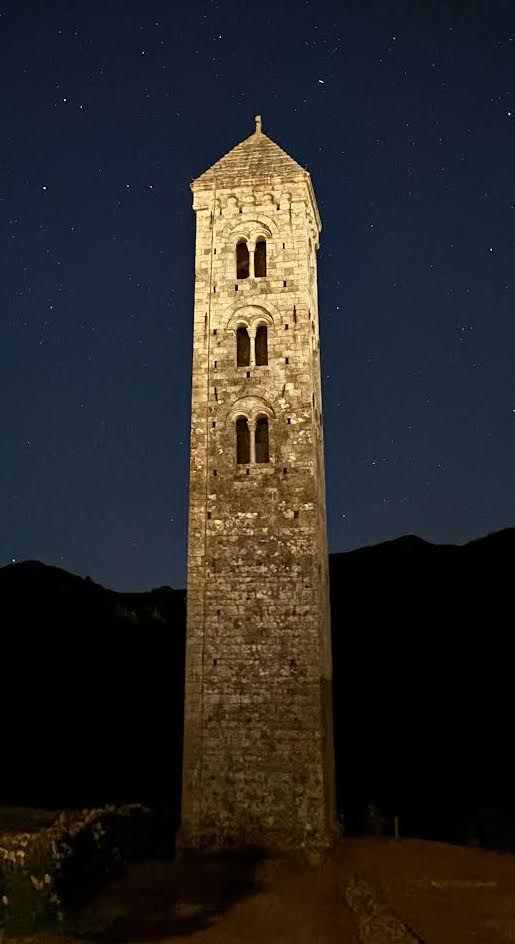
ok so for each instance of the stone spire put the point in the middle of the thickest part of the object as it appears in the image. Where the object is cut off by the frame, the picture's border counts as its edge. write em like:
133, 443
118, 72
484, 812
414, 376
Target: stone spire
256, 156
254, 161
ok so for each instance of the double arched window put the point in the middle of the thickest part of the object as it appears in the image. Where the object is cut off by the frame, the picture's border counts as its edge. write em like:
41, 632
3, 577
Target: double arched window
252, 346
252, 441
251, 262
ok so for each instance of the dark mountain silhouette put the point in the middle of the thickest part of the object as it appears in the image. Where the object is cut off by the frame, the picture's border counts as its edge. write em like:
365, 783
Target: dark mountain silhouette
32, 587
423, 680
91, 694
92, 686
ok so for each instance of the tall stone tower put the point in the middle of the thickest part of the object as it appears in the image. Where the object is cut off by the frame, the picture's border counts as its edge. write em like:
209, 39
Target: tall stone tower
258, 752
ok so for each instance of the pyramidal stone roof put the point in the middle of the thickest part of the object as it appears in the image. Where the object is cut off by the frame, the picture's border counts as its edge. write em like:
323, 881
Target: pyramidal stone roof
258, 157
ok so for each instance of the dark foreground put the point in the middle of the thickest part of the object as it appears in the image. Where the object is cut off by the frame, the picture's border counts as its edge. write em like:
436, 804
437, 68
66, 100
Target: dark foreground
368, 891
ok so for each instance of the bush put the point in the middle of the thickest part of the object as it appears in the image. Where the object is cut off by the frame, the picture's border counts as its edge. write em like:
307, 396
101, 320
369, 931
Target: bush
45, 874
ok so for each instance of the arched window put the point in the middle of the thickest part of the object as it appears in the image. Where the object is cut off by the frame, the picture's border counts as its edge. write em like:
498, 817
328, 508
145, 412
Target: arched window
261, 346
262, 448
260, 258
242, 347
242, 260
242, 441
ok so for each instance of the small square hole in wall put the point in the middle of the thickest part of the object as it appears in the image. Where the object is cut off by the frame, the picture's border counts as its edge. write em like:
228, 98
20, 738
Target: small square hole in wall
209, 516
214, 331
247, 471
235, 288
215, 661
214, 252
289, 421
285, 471
295, 514
216, 364
214, 288
241, 209
284, 246
286, 360
248, 373
286, 327
284, 283
213, 424
214, 472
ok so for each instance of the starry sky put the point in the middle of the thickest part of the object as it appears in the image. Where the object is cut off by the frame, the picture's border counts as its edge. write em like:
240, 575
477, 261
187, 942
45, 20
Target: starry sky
404, 113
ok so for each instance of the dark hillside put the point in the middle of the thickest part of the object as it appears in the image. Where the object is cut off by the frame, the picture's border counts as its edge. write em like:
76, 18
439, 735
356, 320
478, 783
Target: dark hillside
424, 680
92, 691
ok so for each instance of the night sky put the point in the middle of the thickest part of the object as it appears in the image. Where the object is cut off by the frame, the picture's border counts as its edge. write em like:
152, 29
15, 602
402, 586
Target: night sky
404, 114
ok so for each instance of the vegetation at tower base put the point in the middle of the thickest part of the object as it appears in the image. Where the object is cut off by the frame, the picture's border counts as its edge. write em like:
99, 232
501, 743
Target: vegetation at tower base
91, 707
49, 864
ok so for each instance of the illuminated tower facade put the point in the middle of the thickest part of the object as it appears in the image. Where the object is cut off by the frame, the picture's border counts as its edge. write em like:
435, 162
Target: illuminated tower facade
258, 752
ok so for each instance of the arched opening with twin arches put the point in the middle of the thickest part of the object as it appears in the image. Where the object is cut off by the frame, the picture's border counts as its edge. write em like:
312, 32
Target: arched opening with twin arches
252, 440
249, 419
251, 260
251, 326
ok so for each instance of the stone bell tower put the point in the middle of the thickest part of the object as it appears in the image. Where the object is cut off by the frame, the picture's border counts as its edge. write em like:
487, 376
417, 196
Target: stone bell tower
258, 752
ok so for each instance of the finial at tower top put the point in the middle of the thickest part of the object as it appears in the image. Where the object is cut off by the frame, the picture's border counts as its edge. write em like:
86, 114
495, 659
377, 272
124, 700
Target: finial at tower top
258, 124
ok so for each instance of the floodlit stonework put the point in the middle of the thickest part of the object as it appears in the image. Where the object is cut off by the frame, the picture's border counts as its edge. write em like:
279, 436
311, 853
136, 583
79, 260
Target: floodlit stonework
258, 754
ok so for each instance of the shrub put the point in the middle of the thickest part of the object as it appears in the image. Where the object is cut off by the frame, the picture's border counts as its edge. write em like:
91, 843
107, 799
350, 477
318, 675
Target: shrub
45, 874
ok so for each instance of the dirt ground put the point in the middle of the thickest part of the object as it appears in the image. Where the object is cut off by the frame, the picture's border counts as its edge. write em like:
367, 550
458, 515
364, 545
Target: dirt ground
447, 894
368, 891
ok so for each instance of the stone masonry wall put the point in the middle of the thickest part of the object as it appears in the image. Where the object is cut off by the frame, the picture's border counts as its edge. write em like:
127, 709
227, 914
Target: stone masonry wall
258, 756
